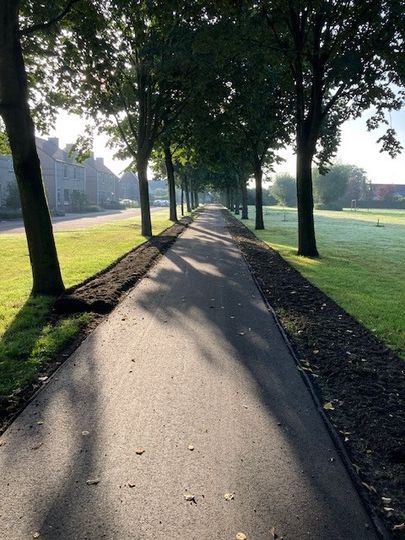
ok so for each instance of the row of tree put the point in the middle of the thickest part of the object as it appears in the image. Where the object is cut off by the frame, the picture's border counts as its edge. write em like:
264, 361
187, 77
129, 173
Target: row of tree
333, 190
212, 89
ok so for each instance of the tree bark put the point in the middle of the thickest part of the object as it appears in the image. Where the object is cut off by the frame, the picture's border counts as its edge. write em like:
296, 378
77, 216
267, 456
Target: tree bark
188, 202
142, 168
15, 112
182, 198
259, 224
305, 203
171, 182
237, 201
196, 200
243, 188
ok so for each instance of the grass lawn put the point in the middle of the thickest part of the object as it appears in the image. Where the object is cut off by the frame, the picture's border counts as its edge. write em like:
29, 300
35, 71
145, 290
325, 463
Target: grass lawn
27, 341
362, 266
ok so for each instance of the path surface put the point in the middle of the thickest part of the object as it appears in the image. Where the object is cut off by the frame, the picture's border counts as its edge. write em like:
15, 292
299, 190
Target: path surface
78, 221
191, 356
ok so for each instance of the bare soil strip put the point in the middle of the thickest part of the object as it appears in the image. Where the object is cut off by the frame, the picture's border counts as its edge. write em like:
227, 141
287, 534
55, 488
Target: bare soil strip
358, 380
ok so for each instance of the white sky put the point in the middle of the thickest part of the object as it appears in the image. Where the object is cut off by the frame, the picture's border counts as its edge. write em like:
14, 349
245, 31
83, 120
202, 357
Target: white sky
358, 147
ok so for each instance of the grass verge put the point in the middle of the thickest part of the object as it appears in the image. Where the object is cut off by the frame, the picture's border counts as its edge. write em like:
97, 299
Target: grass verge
361, 265
29, 339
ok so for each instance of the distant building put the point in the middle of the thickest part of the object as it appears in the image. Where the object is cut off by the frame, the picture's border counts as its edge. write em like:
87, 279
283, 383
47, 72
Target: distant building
63, 177
387, 191
6, 177
129, 186
101, 183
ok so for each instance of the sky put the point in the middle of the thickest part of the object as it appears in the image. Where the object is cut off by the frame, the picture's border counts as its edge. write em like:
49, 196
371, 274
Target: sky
358, 147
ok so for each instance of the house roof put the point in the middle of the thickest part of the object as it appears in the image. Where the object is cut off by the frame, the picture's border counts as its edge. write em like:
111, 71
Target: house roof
129, 176
50, 147
397, 188
98, 166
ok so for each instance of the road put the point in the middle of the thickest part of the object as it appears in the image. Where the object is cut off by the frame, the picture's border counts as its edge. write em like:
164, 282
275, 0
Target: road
184, 397
78, 221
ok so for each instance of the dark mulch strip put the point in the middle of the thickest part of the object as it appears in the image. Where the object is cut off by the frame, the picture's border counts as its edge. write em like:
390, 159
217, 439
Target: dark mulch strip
349, 367
102, 292
98, 294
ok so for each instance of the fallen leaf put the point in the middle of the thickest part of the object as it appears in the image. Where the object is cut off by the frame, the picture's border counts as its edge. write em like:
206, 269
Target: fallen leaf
386, 500
399, 527
273, 533
131, 484
92, 481
190, 498
139, 451
36, 446
388, 509
229, 496
328, 406
42, 379
2, 443
85, 433
39, 423
241, 333
241, 536
370, 488
36, 535
191, 447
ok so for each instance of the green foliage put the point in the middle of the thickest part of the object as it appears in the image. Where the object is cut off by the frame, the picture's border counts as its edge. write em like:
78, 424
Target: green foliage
78, 201
284, 190
13, 196
331, 187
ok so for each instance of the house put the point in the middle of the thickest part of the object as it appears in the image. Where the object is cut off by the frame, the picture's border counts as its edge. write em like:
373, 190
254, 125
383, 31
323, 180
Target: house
6, 177
383, 192
62, 176
129, 186
101, 183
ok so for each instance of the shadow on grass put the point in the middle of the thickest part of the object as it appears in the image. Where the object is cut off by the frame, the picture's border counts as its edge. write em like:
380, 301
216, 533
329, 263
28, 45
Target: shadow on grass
30, 342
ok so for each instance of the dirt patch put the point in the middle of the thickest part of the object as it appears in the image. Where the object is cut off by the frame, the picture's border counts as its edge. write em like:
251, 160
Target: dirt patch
98, 294
101, 293
359, 381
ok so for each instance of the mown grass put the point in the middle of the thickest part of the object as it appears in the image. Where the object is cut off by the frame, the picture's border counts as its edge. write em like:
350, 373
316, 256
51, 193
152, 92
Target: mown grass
361, 267
27, 340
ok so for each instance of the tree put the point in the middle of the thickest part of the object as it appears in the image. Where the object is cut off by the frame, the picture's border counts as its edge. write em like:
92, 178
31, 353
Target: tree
284, 190
335, 54
329, 188
16, 115
357, 187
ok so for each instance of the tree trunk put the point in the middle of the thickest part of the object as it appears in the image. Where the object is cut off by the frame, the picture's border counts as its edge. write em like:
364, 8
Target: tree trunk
305, 204
196, 199
228, 197
172, 185
142, 168
237, 201
20, 130
232, 200
259, 224
243, 188
182, 198
188, 202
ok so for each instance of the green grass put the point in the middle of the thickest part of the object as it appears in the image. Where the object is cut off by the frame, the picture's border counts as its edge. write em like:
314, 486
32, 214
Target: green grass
27, 340
362, 266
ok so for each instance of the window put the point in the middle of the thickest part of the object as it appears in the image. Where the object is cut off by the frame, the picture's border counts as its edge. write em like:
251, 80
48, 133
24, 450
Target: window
74, 172
58, 197
65, 171
66, 196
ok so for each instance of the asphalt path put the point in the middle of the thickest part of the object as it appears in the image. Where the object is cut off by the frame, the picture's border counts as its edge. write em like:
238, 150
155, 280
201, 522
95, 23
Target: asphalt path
78, 221
183, 416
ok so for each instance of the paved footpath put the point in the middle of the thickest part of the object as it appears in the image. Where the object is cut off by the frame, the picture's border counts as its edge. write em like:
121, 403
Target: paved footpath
190, 368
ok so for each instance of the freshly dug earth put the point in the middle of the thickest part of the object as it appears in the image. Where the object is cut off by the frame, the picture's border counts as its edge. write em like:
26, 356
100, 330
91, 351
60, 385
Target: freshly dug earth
358, 380
99, 294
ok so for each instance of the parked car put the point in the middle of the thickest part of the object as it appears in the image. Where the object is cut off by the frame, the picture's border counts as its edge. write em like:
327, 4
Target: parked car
161, 202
